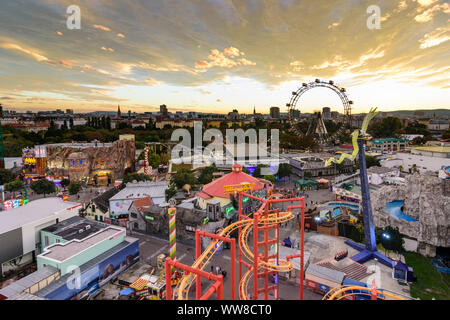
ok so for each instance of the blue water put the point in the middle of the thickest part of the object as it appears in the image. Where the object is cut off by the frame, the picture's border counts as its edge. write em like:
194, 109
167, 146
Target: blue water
394, 210
337, 209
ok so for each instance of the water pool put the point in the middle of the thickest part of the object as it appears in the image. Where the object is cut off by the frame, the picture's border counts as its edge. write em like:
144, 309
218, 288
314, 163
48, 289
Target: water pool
394, 209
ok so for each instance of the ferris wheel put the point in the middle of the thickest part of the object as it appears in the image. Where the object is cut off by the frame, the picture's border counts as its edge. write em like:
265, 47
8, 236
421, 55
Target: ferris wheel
318, 127
340, 91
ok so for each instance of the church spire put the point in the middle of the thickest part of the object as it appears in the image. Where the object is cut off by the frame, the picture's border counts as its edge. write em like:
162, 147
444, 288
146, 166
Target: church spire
118, 111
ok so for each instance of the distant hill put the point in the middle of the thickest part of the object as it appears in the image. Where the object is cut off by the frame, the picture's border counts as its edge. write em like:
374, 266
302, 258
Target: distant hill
445, 113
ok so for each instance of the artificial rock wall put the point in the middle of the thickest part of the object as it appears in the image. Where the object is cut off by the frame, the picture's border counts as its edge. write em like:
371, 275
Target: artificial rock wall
427, 200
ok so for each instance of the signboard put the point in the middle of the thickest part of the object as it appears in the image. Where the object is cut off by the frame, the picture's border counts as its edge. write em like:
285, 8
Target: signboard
245, 187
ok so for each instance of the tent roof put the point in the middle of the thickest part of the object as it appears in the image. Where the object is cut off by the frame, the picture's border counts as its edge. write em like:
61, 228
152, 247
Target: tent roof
216, 187
306, 182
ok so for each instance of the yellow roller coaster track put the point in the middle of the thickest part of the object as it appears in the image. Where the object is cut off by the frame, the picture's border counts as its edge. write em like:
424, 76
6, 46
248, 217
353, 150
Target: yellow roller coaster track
340, 293
357, 134
181, 292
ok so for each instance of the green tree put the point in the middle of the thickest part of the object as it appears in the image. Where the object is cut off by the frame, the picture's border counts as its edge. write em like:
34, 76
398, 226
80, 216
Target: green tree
65, 183
245, 170
391, 239
284, 170
270, 178
74, 187
170, 192
370, 162
206, 174
385, 128
6, 176
43, 186
446, 135
14, 186
135, 177
183, 176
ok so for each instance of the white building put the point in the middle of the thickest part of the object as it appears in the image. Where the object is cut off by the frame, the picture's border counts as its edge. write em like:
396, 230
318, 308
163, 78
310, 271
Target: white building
121, 202
422, 162
20, 229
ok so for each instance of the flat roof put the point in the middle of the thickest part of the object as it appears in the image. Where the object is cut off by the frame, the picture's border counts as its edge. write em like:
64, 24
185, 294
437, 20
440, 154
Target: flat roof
69, 229
17, 287
441, 149
155, 190
63, 251
33, 211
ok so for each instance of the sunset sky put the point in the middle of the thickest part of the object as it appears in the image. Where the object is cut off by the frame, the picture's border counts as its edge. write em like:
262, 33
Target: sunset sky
216, 55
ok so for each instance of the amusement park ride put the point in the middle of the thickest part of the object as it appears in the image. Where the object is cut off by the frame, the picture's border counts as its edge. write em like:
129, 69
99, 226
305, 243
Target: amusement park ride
259, 263
368, 251
317, 127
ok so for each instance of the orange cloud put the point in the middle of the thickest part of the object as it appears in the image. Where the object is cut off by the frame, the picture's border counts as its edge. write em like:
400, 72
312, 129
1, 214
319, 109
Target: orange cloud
99, 26
224, 59
120, 35
428, 14
152, 82
37, 56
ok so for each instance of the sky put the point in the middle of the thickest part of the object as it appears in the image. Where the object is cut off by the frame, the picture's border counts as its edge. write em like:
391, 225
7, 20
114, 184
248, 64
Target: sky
219, 55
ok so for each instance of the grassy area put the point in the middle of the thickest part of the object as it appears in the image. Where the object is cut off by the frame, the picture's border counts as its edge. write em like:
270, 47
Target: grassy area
176, 167
430, 282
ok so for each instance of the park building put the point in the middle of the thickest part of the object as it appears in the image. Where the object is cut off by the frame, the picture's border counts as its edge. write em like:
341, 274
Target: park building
20, 230
313, 165
99, 252
388, 144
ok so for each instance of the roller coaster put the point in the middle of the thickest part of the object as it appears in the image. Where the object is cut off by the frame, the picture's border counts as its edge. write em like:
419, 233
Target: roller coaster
345, 292
259, 264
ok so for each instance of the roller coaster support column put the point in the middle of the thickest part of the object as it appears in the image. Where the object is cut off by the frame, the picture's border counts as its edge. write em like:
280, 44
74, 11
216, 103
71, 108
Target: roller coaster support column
198, 252
255, 255
215, 287
302, 243
239, 235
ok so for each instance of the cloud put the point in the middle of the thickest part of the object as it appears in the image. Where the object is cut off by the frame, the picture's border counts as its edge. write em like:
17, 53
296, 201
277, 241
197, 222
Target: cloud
120, 35
425, 3
152, 82
225, 59
435, 38
31, 52
232, 52
99, 26
59, 33
333, 25
107, 49
428, 14
298, 65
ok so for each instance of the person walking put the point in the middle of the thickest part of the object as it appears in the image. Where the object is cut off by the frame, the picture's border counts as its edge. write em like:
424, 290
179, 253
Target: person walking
218, 270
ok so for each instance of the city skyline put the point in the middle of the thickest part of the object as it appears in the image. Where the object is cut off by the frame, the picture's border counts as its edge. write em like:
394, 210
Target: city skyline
220, 55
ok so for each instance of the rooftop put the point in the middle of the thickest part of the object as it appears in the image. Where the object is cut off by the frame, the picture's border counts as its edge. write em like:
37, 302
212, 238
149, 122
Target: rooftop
32, 211
381, 140
133, 191
440, 149
216, 187
17, 287
70, 229
63, 251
